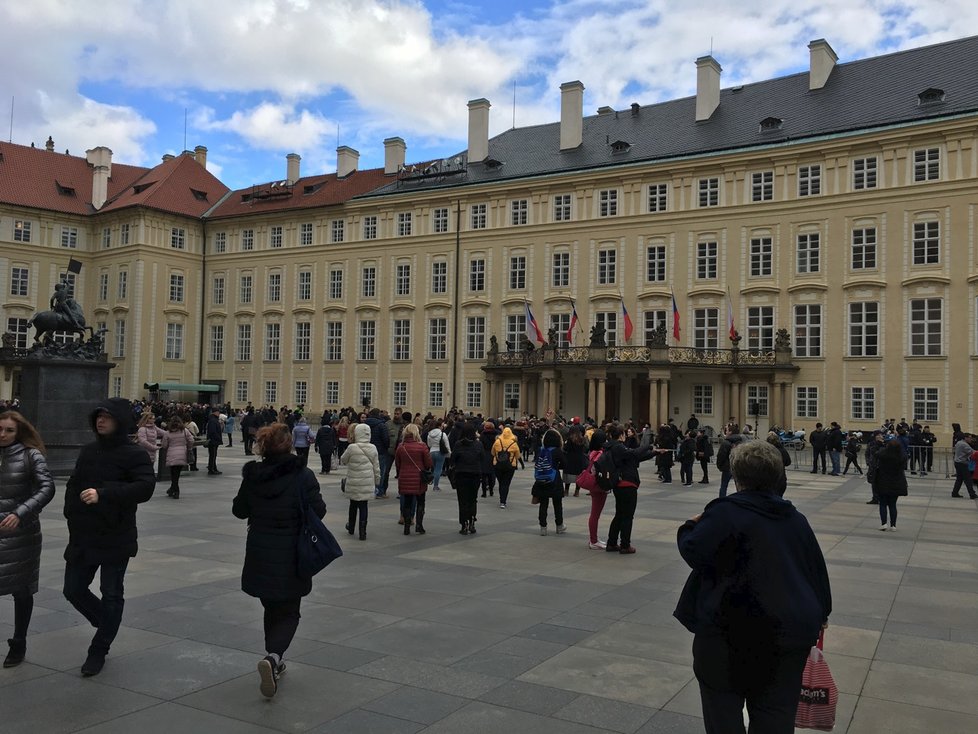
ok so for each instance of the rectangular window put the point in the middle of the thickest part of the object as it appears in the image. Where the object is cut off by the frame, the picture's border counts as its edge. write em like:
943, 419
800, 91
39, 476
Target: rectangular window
607, 267
337, 230
560, 271
174, 342
703, 399
103, 285
334, 341
120, 338
402, 280
809, 180
366, 393
367, 340
706, 328
561, 323
658, 197
926, 320
69, 237
655, 264
399, 393
608, 203
117, 387
762, 186
808, 331
864, 248
436, 394
438, 338
651, 321
926, 401
808, 253
304, 285
760, 328
863, 174
242, 351
404, 224
511, 396
927, 164
241, 391
706, 260
274, 287
761, 257
19, 328
275, 236
709, 192
332, 392
70, 279
271, 392
608, 320
273, 342
757, 400
124, 234
178, 238
246, 289
22, 230
305, 233
217, 343
863, 402
20, 278
335, 284
518, 212
247, 239
439, 220
176, 288
515, 330
106, 238
475, 337
401, 336
562, 208
220, 242
473, 395
477, 216
926, 243
370, 227
864, 328
477, 275
303, 342
517, 272
439, 277
368, 282
806, 402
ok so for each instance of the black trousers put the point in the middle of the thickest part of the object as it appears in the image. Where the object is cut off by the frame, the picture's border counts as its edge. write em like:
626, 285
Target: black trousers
104, 614
212, 456
705, 466
558, 500
175, 477
23, 609
816, 455
962, 476
249, 441
303, 453
620, 530
505, 479
326, 460
686, 471
467, 488
852, 461
281, 622
768, 681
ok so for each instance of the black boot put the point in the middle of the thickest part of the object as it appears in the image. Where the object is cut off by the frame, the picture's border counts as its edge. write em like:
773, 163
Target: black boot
353, 520
18, 649
472, 526
407, 526
418, 526
363, 530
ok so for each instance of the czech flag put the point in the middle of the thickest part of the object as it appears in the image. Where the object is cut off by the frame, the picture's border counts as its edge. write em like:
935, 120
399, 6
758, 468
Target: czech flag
626, 321
732, 330
533, 332
573, 323
675, 318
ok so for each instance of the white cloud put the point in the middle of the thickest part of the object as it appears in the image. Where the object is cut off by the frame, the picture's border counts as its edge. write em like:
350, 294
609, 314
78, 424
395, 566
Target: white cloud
271, 126
83, 123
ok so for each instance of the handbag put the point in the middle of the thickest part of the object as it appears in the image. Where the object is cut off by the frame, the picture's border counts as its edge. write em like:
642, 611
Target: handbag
819, 694
316, 547
441, 444
427, 475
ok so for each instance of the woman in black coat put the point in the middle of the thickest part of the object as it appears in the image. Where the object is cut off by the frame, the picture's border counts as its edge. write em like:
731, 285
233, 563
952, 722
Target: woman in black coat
890, 481
269, 500
548, 463
575, 456
468, 462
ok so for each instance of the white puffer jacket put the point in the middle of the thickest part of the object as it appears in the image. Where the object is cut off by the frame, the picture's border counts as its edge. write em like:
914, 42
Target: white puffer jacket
362, 465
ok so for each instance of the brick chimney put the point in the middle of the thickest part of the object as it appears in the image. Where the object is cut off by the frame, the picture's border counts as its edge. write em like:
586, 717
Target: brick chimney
822, 61
49, 145
200, 155
571, 115
292, 167
707, 87
100, 159
478, 130
394, 150
346, 161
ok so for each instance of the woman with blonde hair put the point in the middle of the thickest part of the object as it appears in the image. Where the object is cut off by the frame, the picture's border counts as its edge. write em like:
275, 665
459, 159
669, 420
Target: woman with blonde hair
26, 487
410, 459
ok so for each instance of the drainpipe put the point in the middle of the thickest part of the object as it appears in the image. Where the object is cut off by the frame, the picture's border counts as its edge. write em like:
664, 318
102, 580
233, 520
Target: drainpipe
455, 307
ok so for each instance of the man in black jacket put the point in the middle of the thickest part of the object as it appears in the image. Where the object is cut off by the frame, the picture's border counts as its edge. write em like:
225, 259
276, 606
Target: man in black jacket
215, 438
818, 440
112, 475
834, 443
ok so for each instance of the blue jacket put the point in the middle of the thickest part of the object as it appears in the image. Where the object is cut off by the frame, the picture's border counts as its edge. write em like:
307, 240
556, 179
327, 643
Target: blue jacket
379, 434
758, 573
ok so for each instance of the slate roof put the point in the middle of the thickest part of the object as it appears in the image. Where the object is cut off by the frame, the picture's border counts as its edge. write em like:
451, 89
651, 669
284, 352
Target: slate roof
860, 94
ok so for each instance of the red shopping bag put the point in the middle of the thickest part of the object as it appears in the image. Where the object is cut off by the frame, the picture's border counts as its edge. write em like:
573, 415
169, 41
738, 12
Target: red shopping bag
819, 694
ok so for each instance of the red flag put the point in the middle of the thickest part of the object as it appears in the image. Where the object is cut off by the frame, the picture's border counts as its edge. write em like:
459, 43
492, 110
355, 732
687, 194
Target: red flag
732, 330
573, 323
533, 332
675, 318
626, 320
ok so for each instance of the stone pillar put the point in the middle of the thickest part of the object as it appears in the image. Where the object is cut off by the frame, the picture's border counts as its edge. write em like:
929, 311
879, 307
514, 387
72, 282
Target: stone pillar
524, 396
653, 402
774, 404
663, 413
736, 404
591, 405
490, 399
601, 398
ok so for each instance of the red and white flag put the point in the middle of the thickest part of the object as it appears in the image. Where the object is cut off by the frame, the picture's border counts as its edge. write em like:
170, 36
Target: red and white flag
675, 318
731, 330
626, 320
533, 332
573, 323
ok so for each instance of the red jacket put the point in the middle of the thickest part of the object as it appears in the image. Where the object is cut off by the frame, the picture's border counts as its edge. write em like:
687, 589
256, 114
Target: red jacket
409, 459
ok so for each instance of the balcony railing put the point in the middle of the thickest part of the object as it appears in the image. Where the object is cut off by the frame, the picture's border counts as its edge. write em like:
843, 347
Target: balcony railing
672, 356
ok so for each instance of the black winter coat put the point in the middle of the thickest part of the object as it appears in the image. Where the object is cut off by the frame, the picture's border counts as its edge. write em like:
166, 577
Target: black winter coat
26, 487
268, 499
627, 460
889, 479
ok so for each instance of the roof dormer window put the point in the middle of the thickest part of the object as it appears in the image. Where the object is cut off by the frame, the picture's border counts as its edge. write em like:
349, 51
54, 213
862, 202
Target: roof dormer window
931, 95
64, 190
140, 188
199, 195
771, 123
620, 146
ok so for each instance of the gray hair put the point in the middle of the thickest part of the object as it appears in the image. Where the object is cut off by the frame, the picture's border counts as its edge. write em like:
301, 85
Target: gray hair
756, 466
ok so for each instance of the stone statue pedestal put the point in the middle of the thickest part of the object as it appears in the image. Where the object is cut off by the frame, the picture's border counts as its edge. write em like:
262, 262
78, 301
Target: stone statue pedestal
57, 396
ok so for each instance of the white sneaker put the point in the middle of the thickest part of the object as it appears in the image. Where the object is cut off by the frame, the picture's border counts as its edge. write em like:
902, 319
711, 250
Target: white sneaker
502, 505
884, 528
561, 529
543, 531
892, 528
600, 545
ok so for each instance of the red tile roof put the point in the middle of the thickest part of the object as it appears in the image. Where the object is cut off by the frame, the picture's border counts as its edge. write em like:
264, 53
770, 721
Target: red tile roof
178, 186
308, 192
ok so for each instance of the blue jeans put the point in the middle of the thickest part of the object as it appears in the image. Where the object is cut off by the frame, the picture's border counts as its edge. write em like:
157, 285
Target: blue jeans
724, 481
438, 458
104, 614
383, 458
834, 456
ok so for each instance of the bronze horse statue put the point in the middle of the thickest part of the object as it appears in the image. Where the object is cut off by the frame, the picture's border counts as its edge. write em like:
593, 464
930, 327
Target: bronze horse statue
48, 322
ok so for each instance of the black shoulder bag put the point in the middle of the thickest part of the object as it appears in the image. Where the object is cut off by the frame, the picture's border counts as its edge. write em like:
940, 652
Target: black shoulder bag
316, 547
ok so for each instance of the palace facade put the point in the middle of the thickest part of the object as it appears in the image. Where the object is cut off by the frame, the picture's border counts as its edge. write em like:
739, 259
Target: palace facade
835, 206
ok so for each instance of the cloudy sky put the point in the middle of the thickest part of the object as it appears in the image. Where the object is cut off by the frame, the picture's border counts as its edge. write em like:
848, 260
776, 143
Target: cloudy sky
254, 80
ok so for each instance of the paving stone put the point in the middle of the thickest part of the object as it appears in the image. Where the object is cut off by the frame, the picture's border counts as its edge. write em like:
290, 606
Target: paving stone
367, 722
604, 713
416, 704
165, 718
530, 697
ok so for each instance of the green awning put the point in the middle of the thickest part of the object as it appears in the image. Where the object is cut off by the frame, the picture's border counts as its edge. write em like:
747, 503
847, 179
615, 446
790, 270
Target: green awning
180, 386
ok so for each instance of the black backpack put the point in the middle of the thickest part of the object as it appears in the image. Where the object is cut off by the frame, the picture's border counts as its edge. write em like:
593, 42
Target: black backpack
504, 459
606, 471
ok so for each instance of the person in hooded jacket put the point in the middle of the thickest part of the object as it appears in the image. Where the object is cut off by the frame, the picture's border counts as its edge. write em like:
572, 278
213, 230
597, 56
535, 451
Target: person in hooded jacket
468, 461
112, 476
686, 456
756, 600
302, 438
488, 437
26, 487
547, 490
626, 492
731, 439
269, 500
177, 446
505, 468
411, 458
325, 444
890, 481
363, 476
575, 458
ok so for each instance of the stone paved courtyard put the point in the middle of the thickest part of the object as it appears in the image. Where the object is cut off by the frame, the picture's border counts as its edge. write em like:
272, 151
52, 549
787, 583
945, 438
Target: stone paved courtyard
501, 632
